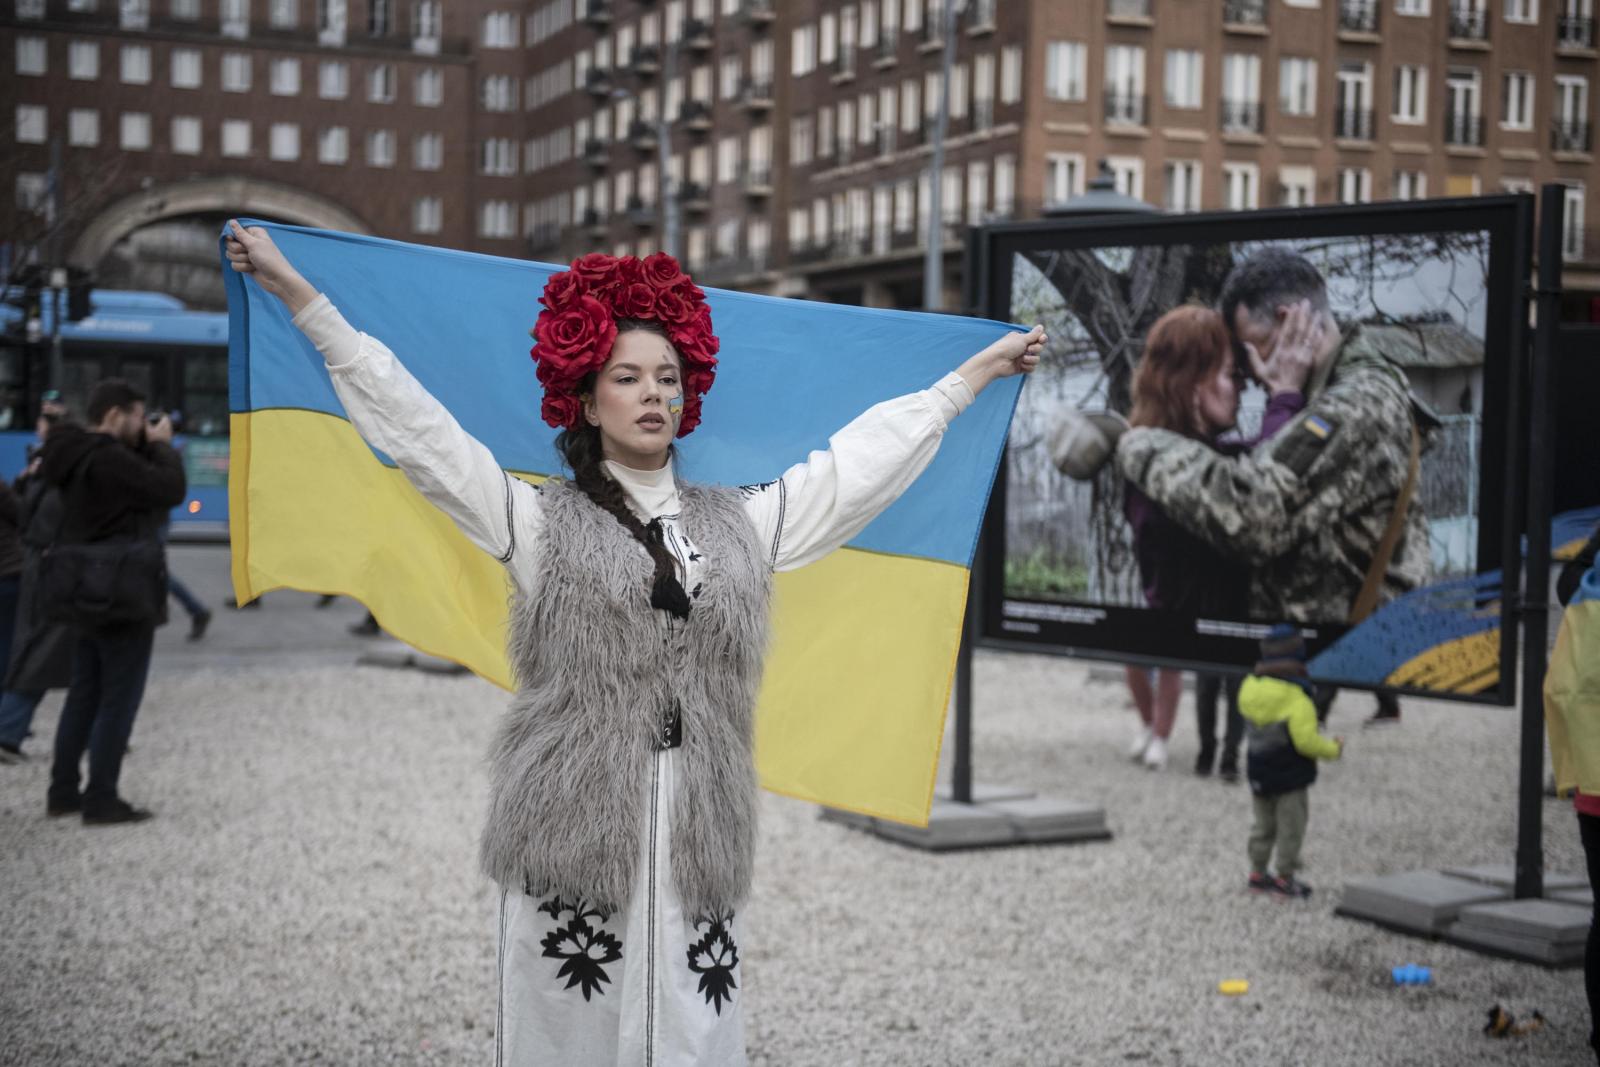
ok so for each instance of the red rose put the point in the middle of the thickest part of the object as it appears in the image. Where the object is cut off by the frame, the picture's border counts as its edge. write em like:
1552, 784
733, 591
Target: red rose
672, 308
698, 380
576, 341
561, 410
661, 271
562, 290
635, 301
690, 417
690, 291
595, 268
628, 271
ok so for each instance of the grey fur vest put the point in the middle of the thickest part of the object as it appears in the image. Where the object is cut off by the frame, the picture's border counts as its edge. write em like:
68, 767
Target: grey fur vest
597, 670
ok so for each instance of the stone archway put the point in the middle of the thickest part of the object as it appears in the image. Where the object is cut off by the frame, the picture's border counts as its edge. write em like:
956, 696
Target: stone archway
208, 196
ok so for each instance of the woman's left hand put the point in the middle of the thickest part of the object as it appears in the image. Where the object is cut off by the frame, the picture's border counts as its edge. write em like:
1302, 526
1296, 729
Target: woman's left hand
1015, 353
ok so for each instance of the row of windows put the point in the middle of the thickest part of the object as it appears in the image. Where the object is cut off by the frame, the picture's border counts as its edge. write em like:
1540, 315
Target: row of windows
835, 37
234, 17
237, 72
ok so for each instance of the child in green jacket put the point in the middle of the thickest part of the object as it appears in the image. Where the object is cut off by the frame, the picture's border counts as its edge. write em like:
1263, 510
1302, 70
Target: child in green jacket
1281, 721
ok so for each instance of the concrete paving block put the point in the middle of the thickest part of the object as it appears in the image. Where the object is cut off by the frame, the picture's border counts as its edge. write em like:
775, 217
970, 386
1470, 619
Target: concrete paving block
1531, 949
952, 825
1584, 896
1040, 819
1540, 920
1424, 902
1504, 876
987, 792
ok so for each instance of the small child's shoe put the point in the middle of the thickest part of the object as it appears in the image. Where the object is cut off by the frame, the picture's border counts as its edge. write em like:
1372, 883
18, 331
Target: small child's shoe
1291, 887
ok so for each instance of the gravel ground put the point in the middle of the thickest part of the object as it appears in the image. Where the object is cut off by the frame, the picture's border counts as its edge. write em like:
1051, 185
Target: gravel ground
307, 893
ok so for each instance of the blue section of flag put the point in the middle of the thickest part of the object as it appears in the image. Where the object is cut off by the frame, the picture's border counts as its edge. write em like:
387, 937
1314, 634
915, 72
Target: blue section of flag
791, 373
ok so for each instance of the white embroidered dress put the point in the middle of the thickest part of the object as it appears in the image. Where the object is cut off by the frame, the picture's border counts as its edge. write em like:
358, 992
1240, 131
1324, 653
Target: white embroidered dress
649, 984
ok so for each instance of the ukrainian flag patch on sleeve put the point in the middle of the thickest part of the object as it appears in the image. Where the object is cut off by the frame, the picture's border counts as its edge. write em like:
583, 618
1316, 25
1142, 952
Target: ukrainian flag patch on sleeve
1302, 442
1317, 426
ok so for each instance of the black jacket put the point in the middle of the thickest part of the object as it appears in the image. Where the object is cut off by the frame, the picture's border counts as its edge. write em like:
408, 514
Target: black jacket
111, 490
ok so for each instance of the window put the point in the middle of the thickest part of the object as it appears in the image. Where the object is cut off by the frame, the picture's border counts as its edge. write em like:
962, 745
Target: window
32, 55
803, 51
1522, 10
1463, 107
500, 30
380, 84
1011, 74
1572, 223
285, 77
1125, 84
186, 68
427, 151
333, 79
1064, 70
235, 18
1516, 185
1516, 103
136, 64
958, 93
1571, 120
828, 39
1005, 185
802, 136
1353, 119
910, 109
283, 142
1410, 185
1297, 86
1127, 175
31, 124
333, 145
499, 93
283, 14
185, 10
236, 136
133, 14
1241, 183
331, 21
30, 9
1241, 91
83, 127
427, 214
380, 18
1462, 185
499, 157
236, 72
1355, 185
33, 191
728, 74
425, 23
1410, 94
497, 218
1418, 8
427, 89
1185, 71
186, 135
1183, 185
83, 60
1063, 177
135, 131
380, 148
977, 191
1297, 186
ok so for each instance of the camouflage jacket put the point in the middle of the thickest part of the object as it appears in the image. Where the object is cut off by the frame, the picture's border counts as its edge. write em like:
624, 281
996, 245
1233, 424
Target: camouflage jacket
1307, 507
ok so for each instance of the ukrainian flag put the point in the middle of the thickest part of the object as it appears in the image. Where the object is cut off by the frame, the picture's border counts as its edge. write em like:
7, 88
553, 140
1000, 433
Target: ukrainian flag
851, 713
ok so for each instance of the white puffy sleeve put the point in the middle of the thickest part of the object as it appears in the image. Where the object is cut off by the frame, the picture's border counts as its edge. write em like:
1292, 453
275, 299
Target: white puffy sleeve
820, 504
395, 414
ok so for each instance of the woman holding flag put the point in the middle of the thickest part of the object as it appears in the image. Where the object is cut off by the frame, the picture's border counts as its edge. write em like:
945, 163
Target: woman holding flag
621, 827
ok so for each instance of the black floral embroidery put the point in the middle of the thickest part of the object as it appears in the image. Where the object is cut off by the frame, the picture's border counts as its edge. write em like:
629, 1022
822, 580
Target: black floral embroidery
760, 487
585, 948
697, 587
714, 957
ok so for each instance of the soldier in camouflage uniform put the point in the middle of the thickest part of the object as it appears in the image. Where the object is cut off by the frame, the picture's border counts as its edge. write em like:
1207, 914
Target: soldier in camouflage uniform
1307, 507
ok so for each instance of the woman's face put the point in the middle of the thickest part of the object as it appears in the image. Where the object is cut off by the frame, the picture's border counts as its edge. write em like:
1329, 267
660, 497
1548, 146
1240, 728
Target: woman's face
637, 401
1216, 399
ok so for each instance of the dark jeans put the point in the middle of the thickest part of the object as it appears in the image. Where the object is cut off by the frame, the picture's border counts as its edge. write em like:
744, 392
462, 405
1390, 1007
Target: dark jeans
1388, 703
190, 602
1207, 688
1589, 832
109, 669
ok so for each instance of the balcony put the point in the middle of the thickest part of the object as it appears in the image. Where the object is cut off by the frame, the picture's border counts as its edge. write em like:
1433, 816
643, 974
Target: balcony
697, 36
1353, 124
932, 30
1569, 135
598, 83
887, 139
1241, 116
757, 182
1469, 24
594, 221
844, 65
695, 115
983, 114
598, 13
758, 13
645, 61
1358, 16
545, 237
1124, 109
844, 149
694, 197
887, 48
980, 17
640, 214
1575, 31
1137, 11
597, 153
1248, 16
642, 135
1465, 130
756, 96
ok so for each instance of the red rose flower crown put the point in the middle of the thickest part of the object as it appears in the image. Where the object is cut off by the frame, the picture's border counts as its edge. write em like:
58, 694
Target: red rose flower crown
578, 326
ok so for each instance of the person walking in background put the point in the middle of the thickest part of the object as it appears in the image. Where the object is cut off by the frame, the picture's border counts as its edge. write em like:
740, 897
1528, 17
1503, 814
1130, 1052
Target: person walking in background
199, 614
118, 481
1155, 692
1572, 718
1275, 701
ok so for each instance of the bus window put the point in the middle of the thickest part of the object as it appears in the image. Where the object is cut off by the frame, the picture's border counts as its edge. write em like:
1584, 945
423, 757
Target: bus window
205, 394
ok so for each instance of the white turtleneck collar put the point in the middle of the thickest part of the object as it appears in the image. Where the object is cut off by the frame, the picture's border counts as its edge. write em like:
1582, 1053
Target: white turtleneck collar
650, 493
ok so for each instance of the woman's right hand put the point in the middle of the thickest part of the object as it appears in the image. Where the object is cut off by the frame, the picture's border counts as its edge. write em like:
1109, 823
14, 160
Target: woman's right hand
1290, 359
252, 251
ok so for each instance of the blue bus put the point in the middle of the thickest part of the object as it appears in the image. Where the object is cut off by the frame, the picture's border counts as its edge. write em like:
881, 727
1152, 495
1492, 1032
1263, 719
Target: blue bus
177, 357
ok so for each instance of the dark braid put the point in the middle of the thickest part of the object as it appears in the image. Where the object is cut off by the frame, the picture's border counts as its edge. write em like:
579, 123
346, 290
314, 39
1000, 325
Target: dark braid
581, 449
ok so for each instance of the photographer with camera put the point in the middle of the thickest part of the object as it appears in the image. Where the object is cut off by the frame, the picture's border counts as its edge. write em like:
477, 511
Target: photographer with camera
105, 574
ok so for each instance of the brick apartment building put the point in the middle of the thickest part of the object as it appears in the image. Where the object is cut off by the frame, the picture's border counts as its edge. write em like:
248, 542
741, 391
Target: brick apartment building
800, 132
